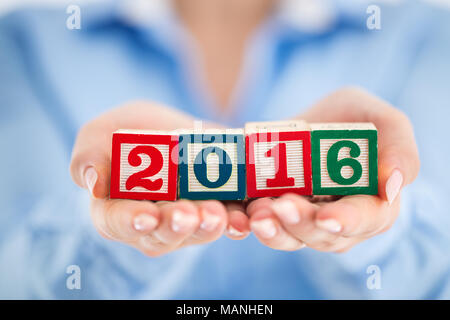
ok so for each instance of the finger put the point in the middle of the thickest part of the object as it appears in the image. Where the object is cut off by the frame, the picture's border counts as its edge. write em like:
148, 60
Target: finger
340, 245
398, 155
238, 222
294, 211
357, 216
179, 220
90, 164
257, 204
124, 220
213, 221
303, 228
269, 231
297, 216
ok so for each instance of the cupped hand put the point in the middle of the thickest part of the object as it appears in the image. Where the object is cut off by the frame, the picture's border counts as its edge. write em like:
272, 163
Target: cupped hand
154, 228
292, 222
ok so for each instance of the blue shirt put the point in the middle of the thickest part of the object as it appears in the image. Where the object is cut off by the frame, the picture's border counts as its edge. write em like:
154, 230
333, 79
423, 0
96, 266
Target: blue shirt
53, 80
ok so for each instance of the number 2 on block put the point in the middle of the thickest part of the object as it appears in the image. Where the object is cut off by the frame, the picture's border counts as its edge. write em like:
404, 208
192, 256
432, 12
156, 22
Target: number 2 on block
138, 179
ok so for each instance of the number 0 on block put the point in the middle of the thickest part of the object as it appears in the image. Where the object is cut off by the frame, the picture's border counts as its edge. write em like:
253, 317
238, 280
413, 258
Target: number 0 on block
212, 165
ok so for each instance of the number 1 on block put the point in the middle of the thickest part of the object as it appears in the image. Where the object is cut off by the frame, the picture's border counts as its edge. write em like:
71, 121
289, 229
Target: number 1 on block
281, 179
278, 157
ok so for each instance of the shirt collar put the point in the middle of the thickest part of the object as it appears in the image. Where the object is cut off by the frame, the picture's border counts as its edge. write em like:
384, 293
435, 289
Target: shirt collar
132, 13
321, 16
98, 14
306, 16
153, 20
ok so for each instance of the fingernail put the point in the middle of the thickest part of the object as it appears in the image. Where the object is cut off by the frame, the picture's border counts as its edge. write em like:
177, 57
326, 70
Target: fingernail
145, 222
265, 228
329, 225
234, 232
210, 220
393, 185
90, 178
182, 222
287, 211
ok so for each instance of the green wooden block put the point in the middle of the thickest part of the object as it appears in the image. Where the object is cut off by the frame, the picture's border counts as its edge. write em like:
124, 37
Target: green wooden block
344, 158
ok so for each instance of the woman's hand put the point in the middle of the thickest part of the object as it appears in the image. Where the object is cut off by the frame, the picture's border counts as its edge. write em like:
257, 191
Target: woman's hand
328, 224
154, 228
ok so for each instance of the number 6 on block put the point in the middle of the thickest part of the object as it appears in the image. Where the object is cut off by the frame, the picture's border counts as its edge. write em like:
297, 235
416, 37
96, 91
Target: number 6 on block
344, 158
144, 165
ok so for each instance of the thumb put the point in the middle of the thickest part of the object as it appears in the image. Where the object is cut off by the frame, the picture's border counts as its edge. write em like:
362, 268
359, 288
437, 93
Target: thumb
398, 158
90, 165
91, 155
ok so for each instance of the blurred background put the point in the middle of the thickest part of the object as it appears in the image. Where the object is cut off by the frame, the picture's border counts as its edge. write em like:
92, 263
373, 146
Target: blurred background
54, 79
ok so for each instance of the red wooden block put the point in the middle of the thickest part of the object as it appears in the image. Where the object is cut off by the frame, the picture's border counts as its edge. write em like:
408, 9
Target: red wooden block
144, 165
278, 158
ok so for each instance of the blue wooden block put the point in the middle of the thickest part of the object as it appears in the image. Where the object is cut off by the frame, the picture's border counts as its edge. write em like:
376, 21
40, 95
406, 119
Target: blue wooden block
212, 165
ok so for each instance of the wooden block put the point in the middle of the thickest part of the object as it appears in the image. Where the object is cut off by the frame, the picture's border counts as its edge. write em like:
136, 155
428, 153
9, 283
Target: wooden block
344, 158
212, 165
278, 156
144, 165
